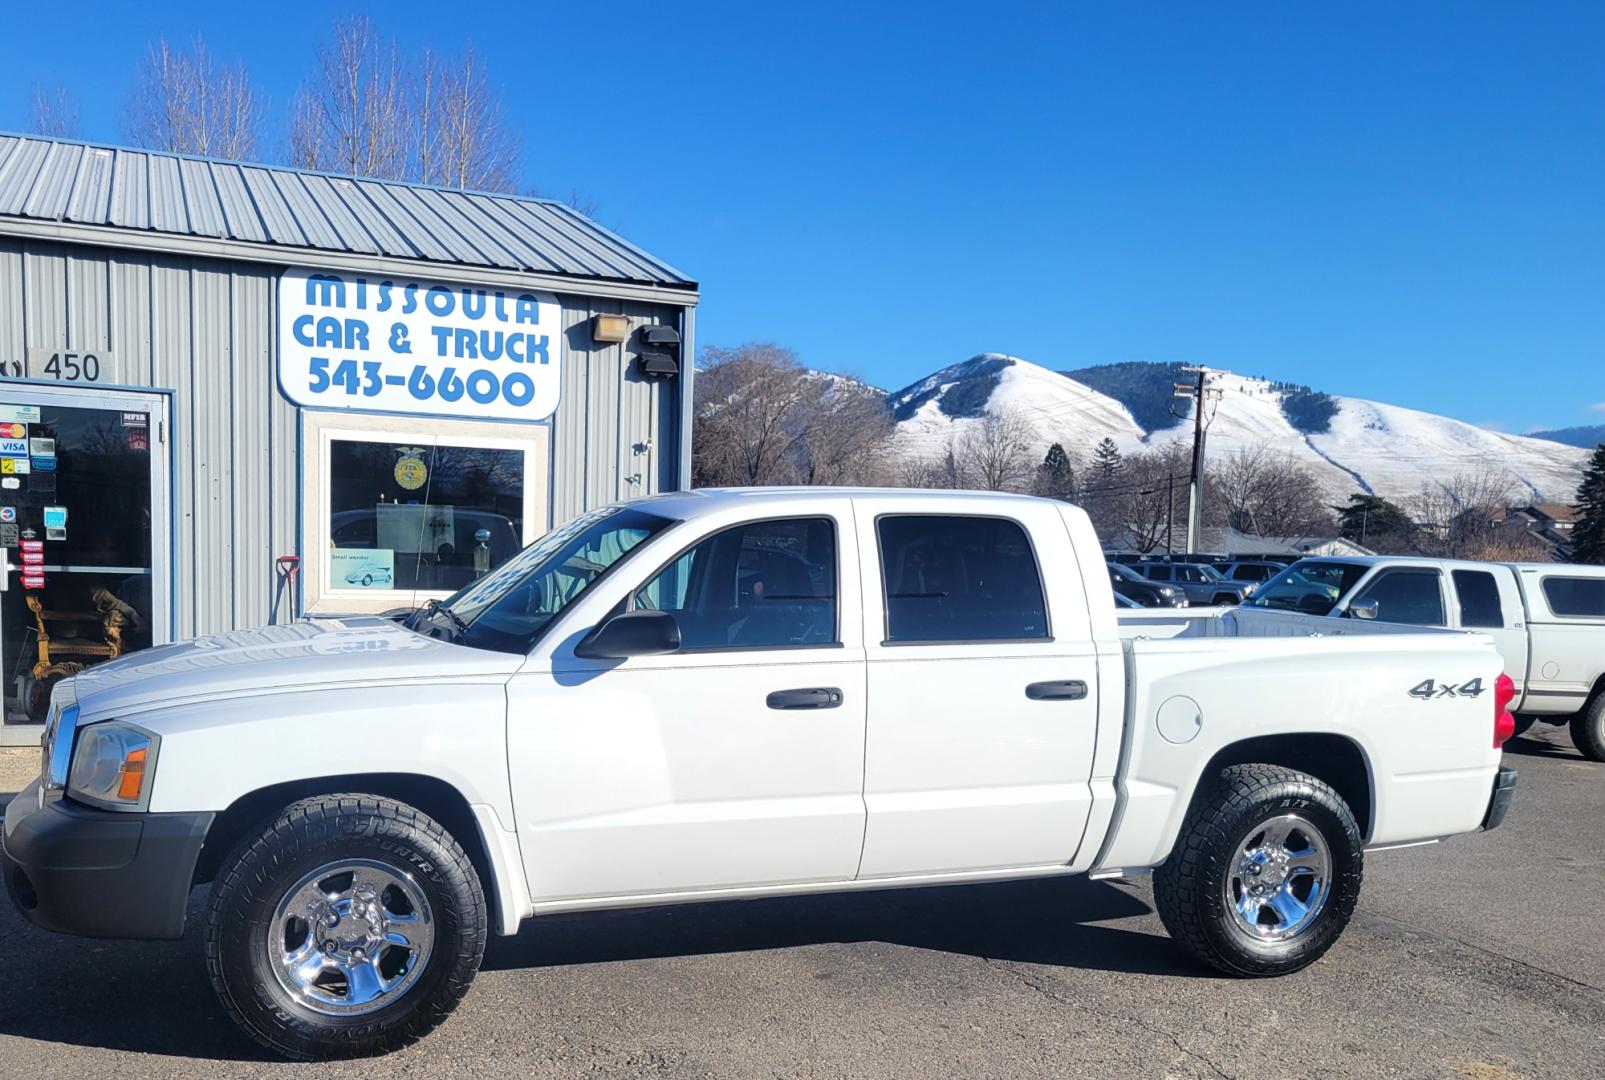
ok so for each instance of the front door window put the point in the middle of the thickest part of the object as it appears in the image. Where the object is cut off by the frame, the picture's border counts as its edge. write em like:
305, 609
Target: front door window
77, 531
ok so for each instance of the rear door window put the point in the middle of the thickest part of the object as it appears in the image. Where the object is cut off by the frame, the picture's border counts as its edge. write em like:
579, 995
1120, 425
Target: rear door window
1576, 597
1478, 594
1407, 596
950, 578
1158, 573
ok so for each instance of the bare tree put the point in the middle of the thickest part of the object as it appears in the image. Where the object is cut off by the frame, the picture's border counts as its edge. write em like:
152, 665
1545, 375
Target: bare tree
464, 140
1144, 503
53, 112
354, 115
181, 101
1463, 515
369, 110
748, 413
997, 453
845, 434
1258, 491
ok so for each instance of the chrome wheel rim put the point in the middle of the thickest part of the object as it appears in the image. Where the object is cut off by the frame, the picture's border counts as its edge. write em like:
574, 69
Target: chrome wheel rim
351, 937
1279, 880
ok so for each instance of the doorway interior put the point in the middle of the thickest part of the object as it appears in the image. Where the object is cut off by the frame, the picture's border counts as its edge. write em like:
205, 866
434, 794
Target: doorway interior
85, 534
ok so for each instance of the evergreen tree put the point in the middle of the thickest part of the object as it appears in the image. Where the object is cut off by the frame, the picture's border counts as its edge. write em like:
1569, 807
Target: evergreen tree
1374, 522
1056, 477
1588, 538
1107, 462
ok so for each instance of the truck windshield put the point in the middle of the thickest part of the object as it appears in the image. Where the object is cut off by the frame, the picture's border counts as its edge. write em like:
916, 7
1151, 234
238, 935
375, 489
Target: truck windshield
1311, 587
507, 609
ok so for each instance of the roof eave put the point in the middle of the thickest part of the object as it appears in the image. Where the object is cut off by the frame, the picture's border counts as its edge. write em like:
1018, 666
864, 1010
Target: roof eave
679, 295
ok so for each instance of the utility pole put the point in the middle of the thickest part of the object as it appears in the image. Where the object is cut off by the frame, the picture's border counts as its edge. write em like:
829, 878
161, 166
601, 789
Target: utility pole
1199, 392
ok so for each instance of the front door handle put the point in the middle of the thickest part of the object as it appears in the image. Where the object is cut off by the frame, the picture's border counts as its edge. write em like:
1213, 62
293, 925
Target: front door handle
1061, 690
817, 697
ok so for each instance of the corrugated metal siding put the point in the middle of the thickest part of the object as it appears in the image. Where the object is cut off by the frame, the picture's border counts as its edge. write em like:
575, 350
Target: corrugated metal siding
53, 180
205, 328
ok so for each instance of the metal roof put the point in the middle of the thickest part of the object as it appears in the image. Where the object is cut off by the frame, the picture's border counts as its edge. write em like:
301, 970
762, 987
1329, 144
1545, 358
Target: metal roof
61, 181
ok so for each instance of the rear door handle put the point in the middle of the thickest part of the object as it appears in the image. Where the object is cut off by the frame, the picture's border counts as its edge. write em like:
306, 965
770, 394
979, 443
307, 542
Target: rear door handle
1062, 690
817, 697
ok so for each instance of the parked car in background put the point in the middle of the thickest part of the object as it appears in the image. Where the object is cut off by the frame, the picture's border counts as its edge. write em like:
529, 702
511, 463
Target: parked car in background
1142, 592
1547, 619
1199, 583
937, 690
1251, 572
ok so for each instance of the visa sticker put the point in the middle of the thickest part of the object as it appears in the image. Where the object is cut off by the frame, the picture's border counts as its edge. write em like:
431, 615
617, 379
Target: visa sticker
14, 447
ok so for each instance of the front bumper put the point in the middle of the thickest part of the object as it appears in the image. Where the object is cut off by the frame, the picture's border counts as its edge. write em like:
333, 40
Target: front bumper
99, 873
1499, 802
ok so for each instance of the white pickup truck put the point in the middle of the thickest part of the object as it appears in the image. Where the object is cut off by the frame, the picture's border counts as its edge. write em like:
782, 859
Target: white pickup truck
728, 694
1547, 620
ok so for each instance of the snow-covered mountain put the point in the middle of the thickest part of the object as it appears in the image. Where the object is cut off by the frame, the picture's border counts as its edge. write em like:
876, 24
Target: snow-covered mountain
1351, 444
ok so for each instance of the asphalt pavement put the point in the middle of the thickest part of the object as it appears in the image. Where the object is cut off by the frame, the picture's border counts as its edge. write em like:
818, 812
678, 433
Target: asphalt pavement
1481, 958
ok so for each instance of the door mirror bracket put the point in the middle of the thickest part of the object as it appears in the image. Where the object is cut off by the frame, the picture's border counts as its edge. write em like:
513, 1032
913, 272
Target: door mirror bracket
631, 633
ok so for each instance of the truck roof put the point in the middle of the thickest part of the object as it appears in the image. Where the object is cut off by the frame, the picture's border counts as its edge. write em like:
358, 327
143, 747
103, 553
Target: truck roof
703, 500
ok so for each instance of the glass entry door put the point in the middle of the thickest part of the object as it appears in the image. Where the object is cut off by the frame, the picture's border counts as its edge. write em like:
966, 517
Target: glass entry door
84, 534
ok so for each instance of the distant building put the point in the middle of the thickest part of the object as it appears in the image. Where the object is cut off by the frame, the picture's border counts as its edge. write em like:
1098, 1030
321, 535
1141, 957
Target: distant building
1551, 524
1230, 542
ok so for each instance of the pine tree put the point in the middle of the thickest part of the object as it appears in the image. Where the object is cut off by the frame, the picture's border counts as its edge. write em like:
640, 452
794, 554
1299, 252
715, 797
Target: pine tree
1588, 538
1374, 522
1107, 462
1056, 477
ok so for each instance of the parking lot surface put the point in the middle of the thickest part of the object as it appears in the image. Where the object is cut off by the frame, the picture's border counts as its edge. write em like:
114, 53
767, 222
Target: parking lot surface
1481, 958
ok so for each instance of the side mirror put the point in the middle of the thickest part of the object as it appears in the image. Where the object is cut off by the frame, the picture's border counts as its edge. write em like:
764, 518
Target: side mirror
1364, 609
631, 633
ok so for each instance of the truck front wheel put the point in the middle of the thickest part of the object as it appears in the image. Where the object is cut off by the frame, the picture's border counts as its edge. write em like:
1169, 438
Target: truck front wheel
1588, 729
352, 925
1265, 873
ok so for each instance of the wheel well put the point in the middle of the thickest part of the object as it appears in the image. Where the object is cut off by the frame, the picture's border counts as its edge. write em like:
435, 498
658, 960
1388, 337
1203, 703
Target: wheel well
1335, 759
250, 814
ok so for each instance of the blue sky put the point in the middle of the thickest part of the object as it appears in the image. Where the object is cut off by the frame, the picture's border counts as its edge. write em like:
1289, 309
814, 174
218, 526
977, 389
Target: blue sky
1397, 201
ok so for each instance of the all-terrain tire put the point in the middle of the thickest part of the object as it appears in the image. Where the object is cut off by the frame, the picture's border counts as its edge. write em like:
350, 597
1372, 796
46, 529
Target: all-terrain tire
311, 834
1588, 729
1192, 886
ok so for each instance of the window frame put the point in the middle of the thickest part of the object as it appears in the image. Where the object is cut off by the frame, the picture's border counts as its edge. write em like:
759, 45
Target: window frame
885, 598
1366, 585
1543, 584
319, 430
628, 603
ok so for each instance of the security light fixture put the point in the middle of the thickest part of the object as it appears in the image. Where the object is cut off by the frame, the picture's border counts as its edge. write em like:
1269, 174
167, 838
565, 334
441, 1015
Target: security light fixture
660, 358
610, 328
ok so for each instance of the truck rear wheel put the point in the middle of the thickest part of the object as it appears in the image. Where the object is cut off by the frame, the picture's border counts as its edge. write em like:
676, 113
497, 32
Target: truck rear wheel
352, 925
1265, 873
1588, 729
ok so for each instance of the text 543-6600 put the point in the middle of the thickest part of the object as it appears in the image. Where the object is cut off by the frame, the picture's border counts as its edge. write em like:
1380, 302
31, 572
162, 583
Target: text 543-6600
369, 377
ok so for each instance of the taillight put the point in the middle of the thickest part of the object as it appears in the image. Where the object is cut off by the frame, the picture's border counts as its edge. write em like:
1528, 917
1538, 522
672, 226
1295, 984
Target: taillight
1504, 723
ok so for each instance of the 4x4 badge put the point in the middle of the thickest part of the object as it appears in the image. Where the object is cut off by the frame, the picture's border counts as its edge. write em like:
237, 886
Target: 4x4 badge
1428, 690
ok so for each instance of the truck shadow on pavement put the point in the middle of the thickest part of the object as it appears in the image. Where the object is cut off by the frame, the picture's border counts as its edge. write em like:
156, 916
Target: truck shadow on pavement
153, 997
1545, 741
1048, 921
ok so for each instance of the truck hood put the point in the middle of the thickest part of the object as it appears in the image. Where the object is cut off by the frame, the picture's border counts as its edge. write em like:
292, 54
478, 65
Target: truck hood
320, 653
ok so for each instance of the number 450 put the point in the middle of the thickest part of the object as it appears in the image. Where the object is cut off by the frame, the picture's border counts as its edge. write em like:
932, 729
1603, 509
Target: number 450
73, 367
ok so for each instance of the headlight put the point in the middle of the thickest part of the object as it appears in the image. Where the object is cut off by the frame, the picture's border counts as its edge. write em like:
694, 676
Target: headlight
113, 766
1166, 590
1248, 590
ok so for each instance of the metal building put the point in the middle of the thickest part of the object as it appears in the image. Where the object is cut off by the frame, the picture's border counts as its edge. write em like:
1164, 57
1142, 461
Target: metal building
210, 369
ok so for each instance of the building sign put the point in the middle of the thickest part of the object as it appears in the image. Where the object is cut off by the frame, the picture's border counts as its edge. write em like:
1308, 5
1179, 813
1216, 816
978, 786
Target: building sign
398, 345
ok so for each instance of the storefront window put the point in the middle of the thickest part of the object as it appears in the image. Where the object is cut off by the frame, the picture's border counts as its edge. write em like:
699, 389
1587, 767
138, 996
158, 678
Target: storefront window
408, 515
